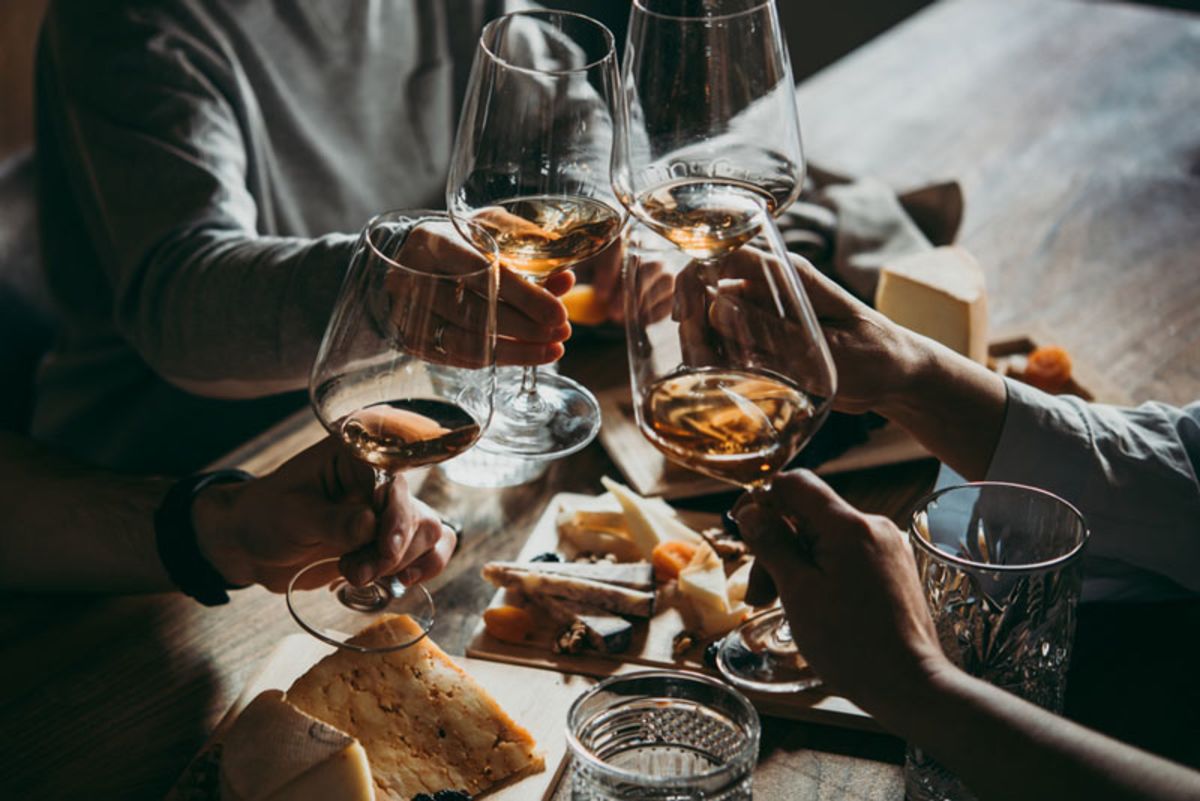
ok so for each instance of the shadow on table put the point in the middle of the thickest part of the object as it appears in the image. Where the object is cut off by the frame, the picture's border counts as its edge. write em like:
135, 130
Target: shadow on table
101, 670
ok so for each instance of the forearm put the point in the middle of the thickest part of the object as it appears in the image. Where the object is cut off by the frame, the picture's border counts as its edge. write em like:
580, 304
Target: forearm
952, 405
73, 529
965, 723
229, 315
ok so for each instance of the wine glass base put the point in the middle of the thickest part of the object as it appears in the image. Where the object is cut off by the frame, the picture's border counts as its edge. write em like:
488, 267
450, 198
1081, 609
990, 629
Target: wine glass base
561, 419
329, 608
754, 657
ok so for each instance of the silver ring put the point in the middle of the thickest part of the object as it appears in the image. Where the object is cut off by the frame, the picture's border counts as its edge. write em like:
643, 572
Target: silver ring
438, 333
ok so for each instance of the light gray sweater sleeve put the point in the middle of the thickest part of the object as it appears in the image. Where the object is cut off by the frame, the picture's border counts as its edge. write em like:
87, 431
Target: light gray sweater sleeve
1131, 472
157, 162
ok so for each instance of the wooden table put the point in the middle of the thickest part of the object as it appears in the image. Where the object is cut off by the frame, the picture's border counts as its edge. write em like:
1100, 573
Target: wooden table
1073, 130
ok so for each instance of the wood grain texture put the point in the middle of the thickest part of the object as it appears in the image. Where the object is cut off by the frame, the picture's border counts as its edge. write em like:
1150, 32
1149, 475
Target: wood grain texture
1073, 130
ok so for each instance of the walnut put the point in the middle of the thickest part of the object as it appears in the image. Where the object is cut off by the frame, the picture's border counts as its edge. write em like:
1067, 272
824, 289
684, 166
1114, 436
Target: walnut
682, 643
723, 545
572, 639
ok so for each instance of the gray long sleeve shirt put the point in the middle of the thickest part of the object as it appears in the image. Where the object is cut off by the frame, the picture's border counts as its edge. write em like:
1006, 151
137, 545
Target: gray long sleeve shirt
204, 165
1131, 472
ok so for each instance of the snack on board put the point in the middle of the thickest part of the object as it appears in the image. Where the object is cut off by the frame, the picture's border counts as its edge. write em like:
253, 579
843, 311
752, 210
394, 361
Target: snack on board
425, 724
623, 564
939, 293
275, 752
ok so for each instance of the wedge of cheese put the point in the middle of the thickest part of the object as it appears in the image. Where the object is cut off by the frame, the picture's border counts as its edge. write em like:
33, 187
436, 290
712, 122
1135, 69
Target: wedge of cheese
738, 582
274, 752
634, 575
597, 594
939, 293
650, 521
702, 582
425, 724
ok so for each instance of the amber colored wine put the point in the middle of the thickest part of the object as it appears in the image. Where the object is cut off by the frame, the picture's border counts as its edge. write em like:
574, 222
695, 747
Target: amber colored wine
540, 235
397, 435
733, 425
705, 218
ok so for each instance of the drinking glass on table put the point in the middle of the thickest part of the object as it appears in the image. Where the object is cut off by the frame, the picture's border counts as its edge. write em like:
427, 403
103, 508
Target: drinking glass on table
531, 168
404, 377
662, 734
731, 376
1002, 571
710, 129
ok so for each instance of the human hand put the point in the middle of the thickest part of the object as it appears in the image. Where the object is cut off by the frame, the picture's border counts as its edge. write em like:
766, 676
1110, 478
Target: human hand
731, 304
849, 587
321, 503
531, 321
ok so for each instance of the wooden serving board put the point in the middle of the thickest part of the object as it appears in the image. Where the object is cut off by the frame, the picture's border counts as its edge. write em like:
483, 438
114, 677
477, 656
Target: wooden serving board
538, 700
652, 640
650, 473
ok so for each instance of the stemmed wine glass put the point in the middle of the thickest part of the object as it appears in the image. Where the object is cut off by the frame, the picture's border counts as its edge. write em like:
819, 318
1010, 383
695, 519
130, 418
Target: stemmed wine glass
731, 378
709, 128
405, 378
531, 167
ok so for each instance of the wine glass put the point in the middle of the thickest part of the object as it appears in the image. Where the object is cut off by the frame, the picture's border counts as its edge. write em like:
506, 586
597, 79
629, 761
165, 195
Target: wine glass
404, 378
531, 167
709, 127
731, 377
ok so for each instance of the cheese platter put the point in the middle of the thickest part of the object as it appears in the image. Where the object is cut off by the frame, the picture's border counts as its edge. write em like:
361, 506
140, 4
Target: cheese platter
661, 604
267, 739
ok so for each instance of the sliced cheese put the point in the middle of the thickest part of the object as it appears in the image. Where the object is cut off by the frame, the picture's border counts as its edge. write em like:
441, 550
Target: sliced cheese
702, 583
649, 524
598, 594
426, 725
940, 294
275, 751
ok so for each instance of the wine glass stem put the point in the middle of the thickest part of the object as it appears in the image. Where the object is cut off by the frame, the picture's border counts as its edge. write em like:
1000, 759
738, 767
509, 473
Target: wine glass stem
529, 383
368, 596
761, 493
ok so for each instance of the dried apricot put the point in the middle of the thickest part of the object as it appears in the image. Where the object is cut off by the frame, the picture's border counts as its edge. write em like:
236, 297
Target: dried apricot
1048, 368
670, 557
583, 306
508, 623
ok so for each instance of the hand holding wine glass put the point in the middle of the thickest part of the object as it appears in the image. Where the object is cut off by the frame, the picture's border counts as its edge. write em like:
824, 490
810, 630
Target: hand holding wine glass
404, 378
732, 384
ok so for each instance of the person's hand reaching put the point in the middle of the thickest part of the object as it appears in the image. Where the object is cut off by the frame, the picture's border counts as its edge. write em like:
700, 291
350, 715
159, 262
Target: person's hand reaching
849, 587
321, 503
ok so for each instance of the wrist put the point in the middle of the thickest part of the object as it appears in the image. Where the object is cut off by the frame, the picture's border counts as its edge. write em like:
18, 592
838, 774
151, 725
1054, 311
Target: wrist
917, 369
215, 521
933, 679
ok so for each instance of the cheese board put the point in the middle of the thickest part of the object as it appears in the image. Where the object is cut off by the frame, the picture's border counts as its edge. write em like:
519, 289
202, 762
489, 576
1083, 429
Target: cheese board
537, 700
652, 640
651, 473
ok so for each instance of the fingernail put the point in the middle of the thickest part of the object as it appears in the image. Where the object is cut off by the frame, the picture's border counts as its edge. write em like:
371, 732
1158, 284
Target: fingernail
361, 575
408, 576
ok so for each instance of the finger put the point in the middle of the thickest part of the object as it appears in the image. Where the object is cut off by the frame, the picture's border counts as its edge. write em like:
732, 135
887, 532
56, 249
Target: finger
514, 325
437, 248
760, 588
812, 504
560, 284
537, 303
432, 563
527, 354
428, 532
349, 528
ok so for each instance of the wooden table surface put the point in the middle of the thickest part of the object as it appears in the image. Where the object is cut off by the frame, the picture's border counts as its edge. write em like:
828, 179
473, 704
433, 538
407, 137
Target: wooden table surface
1073, 129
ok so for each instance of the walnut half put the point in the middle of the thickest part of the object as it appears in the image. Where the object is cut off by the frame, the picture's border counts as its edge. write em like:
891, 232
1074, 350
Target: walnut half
572, 639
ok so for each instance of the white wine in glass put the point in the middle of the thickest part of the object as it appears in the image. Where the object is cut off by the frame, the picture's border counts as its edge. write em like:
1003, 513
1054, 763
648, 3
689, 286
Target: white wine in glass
711, 133
732, 380
531, 168
404, 377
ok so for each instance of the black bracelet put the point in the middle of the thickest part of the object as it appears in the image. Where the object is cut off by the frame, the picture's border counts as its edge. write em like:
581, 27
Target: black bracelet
176, 538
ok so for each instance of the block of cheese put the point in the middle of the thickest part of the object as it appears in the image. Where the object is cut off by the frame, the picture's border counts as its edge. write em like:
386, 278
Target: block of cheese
597, 594
702, 583
425, 724
939, 293
275, 751
650, 521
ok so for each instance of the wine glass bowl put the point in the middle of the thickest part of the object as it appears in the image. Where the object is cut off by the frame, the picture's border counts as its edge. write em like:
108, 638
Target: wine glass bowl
710, 133
530, 171
731, 383
404, 378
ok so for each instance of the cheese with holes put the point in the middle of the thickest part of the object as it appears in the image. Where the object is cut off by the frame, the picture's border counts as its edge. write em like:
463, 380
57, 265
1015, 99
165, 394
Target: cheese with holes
939, 293
650, 521
702, 583
425, 724
275, 751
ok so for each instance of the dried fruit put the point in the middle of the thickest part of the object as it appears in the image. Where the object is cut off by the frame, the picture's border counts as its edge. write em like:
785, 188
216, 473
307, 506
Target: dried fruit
508, 623
572, 639
670, 557
1048, 368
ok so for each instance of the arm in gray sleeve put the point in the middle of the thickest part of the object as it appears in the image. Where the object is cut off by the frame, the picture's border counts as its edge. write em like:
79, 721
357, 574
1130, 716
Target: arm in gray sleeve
154, 151
1131, 472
